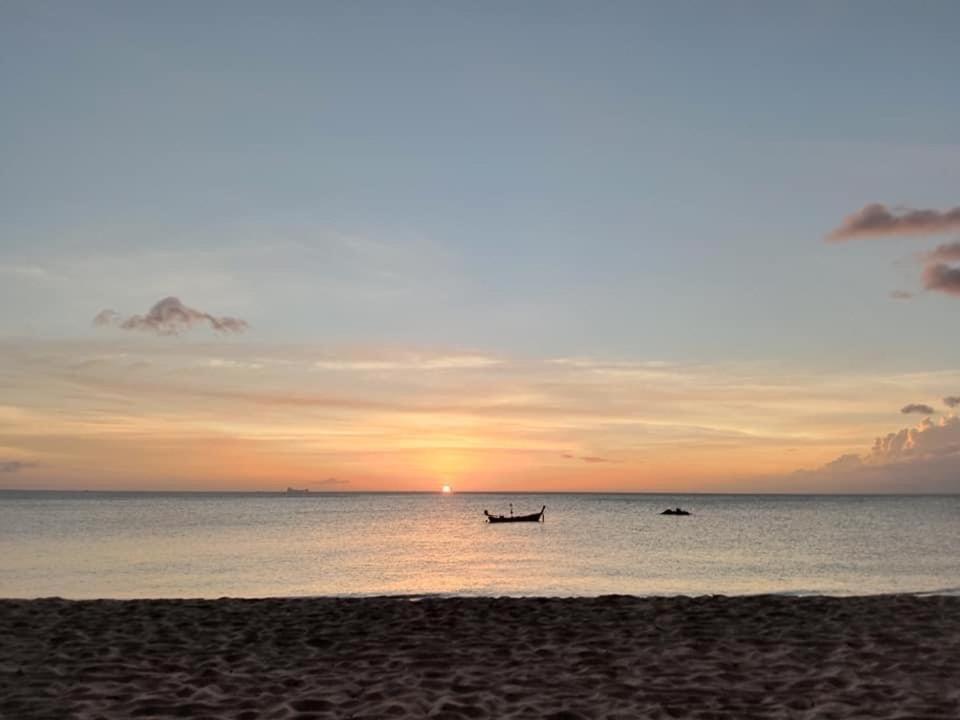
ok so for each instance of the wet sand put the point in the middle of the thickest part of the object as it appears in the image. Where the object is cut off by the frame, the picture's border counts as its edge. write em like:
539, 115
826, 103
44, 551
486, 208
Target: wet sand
608, 657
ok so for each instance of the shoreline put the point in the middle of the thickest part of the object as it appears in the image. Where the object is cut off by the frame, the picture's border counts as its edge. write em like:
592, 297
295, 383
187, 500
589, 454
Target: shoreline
611, 657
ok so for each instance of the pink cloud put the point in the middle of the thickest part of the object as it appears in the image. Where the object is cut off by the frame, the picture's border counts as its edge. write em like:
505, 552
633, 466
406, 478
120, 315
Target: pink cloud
942, 278
876, 219
170, 317
948, 252
925, 458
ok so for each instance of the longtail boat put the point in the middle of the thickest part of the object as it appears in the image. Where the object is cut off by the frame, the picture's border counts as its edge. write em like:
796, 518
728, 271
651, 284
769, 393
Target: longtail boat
532, 517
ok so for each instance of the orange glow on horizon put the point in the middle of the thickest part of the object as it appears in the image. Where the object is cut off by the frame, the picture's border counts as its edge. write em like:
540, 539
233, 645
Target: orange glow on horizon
134, 417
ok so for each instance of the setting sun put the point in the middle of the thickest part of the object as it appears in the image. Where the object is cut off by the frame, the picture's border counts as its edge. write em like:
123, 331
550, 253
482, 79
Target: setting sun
446, 489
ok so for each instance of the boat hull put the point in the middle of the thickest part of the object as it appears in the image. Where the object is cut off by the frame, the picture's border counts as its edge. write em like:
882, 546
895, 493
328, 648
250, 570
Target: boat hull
532, 517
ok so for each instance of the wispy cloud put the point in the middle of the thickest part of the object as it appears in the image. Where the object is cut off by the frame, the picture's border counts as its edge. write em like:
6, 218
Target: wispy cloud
12, 466
951, 400
227, 364
877, 220
34, 272
900, 294
918, 408
619, 421
588, 458
170, 317
586, 363
410, 361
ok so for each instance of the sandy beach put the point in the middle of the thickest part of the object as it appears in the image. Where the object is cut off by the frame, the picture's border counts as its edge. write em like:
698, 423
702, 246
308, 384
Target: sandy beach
608, 657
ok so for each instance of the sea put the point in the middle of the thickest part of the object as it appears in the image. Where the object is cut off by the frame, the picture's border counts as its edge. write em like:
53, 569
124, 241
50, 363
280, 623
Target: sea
209, 545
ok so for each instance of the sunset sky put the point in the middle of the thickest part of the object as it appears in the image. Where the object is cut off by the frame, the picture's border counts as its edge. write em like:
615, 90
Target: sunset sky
502, 246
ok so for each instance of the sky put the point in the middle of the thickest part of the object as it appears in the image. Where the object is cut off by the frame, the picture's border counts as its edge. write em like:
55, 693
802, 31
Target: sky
605, 246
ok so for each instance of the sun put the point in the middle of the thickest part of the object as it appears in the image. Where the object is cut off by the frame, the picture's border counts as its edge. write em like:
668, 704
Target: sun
446, 489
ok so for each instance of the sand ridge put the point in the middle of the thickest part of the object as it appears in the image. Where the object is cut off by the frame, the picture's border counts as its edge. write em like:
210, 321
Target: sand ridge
608, 657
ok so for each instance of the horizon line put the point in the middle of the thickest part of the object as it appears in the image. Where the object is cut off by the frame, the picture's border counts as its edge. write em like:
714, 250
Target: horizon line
469, 492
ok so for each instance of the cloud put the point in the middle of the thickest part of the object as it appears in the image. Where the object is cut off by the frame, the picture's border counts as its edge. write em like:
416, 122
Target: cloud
106, 318
224, 363
409, 361
876, 220
587, 458
927, 439
34, 272
942, 278
925, 458
850, 461
169, 317
948, 252
917, 408
951, 400
937, 274
12, 466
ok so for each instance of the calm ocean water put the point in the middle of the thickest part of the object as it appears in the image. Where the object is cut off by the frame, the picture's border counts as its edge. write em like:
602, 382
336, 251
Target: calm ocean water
123, 545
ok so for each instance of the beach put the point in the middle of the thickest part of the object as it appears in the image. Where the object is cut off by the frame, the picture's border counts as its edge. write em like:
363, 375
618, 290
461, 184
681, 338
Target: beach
770, 656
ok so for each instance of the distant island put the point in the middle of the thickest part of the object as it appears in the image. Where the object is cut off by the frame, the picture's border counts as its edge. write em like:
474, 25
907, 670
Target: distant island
298, 491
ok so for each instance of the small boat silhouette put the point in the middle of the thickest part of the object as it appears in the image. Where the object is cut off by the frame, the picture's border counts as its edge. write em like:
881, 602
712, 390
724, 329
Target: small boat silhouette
532, 517
675, 511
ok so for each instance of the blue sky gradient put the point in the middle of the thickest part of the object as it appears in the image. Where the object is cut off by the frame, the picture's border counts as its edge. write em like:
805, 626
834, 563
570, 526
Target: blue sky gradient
623, 181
